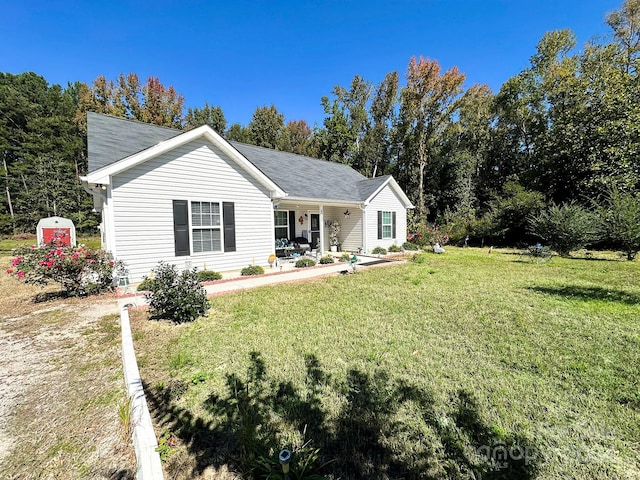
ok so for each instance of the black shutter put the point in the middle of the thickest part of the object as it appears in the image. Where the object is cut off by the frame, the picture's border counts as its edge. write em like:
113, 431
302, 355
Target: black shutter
379, 225
393, 225
292, 224
229, 222
181, 227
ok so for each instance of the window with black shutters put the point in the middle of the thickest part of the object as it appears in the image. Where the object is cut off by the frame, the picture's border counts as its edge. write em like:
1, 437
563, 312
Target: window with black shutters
206, 227
211, 222
181, 227
386, 225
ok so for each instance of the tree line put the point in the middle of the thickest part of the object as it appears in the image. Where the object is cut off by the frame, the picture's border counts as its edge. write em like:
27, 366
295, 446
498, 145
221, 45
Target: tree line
564, 130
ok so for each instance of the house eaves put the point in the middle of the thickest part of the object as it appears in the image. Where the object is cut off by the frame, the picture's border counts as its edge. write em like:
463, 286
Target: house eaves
329, 202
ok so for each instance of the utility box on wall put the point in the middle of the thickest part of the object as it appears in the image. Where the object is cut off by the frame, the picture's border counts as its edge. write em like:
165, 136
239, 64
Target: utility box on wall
57, 230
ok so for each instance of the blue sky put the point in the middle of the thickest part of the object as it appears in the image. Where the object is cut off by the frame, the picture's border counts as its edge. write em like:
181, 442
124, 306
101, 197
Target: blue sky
244, 54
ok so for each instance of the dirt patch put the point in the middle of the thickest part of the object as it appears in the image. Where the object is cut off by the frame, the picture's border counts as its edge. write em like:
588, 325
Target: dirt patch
61, 388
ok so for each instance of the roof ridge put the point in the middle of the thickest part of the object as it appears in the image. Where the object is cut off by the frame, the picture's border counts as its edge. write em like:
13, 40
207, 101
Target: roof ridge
293, 153
135, 120
376, 178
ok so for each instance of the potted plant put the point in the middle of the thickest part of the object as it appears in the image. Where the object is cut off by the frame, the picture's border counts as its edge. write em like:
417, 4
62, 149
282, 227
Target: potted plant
334, 231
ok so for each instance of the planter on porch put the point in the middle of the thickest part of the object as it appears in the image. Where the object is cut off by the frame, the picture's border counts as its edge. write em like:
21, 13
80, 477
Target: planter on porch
334, 231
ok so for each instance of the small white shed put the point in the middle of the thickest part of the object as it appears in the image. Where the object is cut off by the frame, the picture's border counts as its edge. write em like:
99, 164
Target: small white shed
57, 230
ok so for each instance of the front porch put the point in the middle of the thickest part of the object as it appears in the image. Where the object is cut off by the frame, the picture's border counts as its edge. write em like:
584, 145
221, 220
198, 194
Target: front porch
295, 221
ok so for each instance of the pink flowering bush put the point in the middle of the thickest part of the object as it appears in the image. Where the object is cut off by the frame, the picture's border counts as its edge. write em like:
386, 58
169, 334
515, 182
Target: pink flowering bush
426, 234
79, 270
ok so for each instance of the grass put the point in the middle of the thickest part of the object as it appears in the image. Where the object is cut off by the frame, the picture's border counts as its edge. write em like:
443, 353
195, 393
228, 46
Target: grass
61, 387
430, 369
8, 244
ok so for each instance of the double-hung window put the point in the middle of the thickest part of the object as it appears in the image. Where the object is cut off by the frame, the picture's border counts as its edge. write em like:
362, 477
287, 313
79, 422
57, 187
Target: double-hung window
210, 223
205, 227
281, 220
386, 225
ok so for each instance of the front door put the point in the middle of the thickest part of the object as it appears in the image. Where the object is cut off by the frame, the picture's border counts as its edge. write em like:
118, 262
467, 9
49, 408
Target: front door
314, 231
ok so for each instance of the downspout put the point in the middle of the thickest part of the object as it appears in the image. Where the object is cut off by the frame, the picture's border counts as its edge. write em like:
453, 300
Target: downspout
103, 198
275, 203
90, 191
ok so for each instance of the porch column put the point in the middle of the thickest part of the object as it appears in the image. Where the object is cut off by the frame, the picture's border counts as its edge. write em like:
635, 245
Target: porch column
365, 247
321, 210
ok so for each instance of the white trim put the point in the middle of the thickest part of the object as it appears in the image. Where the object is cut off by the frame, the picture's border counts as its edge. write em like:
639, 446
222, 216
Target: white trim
310, 223
220, 227
287, 226
319, 201
321, 211
103, 175
145, 444
390, 225
396, 188
273, 228
101, 199
109, 219
364, 230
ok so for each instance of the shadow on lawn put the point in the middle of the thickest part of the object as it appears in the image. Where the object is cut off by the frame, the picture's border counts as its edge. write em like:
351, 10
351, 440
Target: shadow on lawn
523, 256
123, 474
384, 429
590, 293
43, 297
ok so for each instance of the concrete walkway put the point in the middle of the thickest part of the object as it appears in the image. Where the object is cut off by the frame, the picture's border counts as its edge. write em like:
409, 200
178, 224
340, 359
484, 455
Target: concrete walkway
233, 282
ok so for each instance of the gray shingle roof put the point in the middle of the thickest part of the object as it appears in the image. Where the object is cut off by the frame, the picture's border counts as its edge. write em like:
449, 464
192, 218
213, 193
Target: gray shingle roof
305, 177
368, 186
111, 139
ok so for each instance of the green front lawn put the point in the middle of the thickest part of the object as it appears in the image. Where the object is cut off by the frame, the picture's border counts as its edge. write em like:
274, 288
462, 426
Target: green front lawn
457, 366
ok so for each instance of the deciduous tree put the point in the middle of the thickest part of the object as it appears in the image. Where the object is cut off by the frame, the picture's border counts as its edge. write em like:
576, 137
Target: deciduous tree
620, 213
238, 133
567, 227
161, 105
374, 153
297, 137
266, 127
429, 102
346, 123
207, 115
335, 139
129, 98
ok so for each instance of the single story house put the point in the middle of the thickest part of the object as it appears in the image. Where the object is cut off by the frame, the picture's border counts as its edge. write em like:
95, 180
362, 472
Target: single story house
194, 199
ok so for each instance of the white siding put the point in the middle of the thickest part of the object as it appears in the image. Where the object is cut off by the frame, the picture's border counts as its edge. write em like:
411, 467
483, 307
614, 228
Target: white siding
142, 205
386, 201
350, 227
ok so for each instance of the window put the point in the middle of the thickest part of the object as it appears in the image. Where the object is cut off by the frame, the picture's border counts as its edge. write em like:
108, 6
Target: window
281, 220
386, 225
208, 221
205, 227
